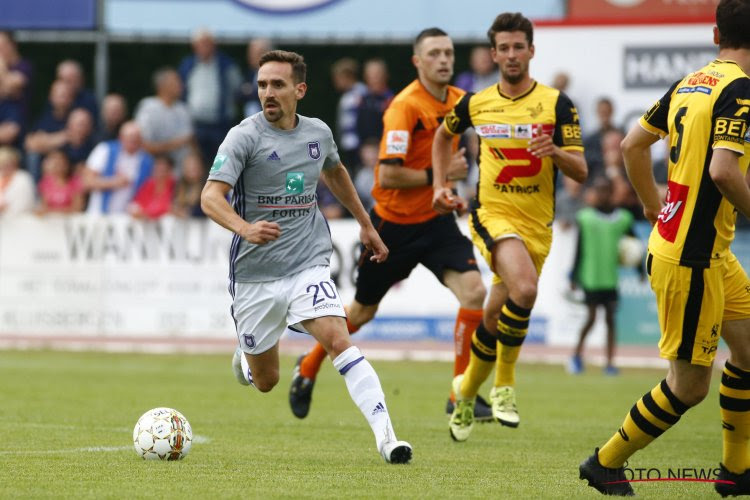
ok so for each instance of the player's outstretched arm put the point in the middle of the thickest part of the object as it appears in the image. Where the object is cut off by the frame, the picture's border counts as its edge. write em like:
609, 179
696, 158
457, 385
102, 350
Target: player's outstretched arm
215, 205
340, 184
636, 151
725, 172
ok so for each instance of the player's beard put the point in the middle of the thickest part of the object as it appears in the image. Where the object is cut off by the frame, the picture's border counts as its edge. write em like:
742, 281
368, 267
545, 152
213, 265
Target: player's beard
516, 77
275, 114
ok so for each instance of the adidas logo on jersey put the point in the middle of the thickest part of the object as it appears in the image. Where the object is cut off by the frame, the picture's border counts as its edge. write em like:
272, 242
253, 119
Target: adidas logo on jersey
274, 157
379, 408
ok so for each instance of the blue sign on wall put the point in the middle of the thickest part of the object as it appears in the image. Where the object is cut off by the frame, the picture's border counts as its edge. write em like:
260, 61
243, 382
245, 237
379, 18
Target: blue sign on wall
316, 19
48, 14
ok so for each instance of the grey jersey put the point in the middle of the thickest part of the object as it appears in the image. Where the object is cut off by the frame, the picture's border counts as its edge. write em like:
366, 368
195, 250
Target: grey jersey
274, 174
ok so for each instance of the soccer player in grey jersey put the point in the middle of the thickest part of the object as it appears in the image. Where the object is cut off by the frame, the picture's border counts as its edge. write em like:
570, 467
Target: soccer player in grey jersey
280, 254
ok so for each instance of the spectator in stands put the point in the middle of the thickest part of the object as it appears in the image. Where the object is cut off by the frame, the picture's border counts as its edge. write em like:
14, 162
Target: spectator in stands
75, 139
364, 179
154, 198
54, 118
483, 72
623, 194
71, 72
15, 75
116, 170
114, 114
561, 81
248, 93
164, 120
187, 198
16, 185
11, 123
344, 74
60, 189
43, 136
78, 138
374, 101
211, 80
593, 142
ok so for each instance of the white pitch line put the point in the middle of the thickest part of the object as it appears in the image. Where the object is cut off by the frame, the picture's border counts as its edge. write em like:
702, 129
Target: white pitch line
71, 450
197, 439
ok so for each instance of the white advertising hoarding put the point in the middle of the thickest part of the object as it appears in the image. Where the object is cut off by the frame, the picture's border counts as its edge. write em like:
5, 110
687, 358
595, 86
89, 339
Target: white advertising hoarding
114, 278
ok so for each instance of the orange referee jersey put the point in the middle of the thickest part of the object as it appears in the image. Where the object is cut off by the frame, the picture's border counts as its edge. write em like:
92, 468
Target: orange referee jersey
409, 126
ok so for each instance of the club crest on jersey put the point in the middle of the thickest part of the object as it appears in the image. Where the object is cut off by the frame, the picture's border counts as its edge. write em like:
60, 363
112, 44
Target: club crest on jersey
313, 149
249, 340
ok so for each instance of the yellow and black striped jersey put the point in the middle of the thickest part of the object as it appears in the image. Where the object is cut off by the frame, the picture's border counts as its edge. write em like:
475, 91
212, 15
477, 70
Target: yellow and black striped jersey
512, 182
706, 110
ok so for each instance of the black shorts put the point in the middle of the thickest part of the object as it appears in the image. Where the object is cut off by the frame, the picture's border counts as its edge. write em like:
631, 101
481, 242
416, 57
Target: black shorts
600, 297
437, 244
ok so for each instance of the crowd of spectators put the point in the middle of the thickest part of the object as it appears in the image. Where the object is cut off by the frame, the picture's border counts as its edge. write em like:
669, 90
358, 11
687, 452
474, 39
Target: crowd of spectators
82, 155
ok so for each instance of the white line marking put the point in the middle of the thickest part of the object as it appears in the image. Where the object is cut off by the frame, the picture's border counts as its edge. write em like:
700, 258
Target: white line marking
197, 439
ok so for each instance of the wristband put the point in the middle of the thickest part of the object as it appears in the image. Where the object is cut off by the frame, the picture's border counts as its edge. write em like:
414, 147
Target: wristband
429, 176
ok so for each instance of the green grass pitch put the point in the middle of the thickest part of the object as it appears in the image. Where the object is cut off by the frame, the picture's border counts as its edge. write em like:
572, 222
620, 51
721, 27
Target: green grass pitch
66, 423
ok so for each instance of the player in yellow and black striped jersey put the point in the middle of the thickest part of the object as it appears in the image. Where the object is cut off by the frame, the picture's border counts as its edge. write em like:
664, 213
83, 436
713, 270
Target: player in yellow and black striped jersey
706, 110
527, 132
513, 183
702, 292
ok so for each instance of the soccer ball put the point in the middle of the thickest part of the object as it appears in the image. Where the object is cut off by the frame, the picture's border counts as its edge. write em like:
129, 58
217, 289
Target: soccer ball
162, 433
630, 251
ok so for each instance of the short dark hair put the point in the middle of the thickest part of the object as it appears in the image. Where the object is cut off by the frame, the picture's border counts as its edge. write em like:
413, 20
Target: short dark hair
733, 21
428, 32
299, 68
511, 21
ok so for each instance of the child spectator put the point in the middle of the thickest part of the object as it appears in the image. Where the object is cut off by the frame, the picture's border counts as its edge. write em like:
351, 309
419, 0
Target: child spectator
154, 198
60, 189
187, 199
595, 269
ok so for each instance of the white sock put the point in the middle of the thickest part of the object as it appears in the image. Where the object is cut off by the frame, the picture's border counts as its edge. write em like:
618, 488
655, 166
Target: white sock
366, 392
246, 369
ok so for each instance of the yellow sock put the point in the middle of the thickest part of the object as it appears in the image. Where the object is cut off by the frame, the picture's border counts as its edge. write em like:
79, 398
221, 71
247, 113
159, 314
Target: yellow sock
512, 327
482, 360
734, 400
653, 414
